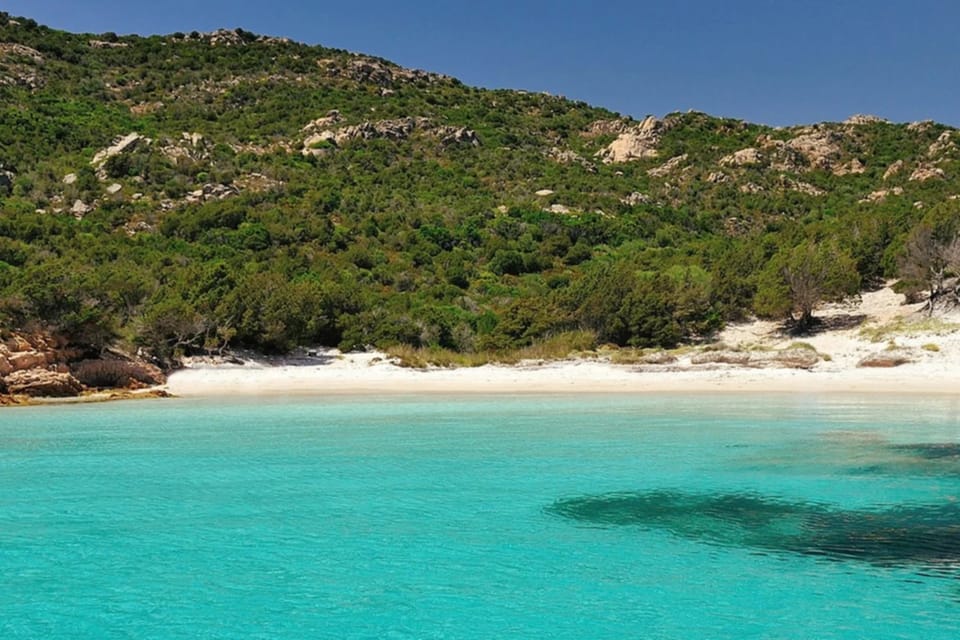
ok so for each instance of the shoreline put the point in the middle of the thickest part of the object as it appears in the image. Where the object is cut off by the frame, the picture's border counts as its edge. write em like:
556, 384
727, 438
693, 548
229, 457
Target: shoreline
563, 377
752, 357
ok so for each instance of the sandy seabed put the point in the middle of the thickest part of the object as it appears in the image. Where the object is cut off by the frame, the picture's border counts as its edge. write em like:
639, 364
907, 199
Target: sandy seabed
934, 366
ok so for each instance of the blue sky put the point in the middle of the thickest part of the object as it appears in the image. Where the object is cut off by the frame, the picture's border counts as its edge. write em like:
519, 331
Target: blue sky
772, 61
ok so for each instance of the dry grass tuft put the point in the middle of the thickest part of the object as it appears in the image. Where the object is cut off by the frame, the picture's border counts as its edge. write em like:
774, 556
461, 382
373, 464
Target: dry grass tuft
558, 347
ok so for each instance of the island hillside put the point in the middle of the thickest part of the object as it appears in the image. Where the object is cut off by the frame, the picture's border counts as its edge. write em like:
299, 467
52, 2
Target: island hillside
194, 193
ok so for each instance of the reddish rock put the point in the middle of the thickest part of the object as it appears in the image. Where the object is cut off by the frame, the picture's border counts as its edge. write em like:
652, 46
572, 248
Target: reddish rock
27, 360
43, 383
116, 373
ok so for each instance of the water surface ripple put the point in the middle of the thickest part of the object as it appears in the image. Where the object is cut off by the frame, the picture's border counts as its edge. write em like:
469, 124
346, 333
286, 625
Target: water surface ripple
472, 517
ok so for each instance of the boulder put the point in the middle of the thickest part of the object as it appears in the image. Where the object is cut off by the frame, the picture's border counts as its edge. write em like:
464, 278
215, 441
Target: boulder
797, 358
887, 359
42, 383
80, 209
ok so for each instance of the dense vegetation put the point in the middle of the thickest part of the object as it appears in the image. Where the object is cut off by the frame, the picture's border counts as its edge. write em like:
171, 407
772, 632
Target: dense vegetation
259, 232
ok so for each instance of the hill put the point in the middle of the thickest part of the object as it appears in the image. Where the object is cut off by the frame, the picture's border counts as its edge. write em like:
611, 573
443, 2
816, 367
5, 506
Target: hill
196, 192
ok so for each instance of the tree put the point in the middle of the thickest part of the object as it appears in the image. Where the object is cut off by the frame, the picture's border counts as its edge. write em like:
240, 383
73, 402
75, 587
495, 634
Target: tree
796, 280
930, 255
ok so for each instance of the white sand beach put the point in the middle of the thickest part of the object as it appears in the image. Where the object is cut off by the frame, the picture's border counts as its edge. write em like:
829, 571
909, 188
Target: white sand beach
877, 325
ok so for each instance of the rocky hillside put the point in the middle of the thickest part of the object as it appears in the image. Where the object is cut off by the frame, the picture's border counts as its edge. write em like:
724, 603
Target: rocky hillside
195, 192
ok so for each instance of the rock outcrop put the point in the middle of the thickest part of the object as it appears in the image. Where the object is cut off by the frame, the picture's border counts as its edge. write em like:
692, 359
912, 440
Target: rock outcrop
42, 383
605, 128
638, 142
191, 146
366, 70
44, 365
893, 169
257, 183
20, 66
668, 167
819, 147
121, 145
232, 38
212, 192
802, 187
717, 177
635, 198
942, 145
742, 158
117, 373
456, 135
926, 172
567, 156
80, 209
862, 119
854, 167
882, 194
394, 129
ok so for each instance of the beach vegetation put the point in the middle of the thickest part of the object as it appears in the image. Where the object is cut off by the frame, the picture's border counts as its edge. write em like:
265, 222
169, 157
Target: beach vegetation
166, 195
910, 327
799, 278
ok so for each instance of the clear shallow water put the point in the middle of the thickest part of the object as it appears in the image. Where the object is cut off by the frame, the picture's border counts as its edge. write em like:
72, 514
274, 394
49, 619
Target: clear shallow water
452, 518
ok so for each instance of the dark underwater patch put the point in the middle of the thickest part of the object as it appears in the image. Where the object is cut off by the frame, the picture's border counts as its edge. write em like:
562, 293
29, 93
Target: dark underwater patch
927, 535
941, 451
923, 458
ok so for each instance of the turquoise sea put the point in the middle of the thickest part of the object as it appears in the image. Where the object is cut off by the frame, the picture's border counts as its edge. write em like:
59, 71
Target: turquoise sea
593, 517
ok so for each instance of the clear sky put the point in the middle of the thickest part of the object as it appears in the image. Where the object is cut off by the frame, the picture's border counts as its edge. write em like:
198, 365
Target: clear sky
771, 61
